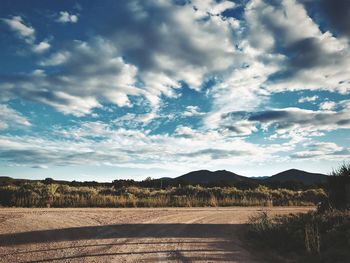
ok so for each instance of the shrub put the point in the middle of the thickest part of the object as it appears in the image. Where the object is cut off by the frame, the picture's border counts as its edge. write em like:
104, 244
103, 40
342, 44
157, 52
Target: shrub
311, 237
339, 187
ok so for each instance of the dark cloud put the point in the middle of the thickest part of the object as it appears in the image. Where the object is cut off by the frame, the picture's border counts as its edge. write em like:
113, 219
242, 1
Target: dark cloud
338, 14
288, 119
307, 53
266, 116
294, 117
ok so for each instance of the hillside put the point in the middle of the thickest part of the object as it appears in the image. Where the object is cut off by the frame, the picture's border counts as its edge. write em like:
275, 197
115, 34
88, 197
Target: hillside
200, 177
298, 175
205, 176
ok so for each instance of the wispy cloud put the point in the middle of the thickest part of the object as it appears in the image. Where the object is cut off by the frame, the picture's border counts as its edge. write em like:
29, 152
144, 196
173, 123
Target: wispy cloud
27, 33
22, 30
9, 118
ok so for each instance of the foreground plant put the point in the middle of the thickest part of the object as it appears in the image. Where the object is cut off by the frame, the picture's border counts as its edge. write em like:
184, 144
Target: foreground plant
311, 237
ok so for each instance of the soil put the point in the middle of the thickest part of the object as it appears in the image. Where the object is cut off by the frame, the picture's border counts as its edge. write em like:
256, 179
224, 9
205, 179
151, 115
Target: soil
129, 235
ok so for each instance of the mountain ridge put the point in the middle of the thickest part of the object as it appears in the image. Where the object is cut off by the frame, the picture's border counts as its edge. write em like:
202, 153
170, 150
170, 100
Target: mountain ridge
208, 177
298, 175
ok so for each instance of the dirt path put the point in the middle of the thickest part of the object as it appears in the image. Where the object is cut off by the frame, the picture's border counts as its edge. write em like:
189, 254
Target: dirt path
127, 235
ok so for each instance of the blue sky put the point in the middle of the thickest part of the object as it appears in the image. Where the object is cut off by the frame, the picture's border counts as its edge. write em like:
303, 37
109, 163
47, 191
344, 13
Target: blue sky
101, 90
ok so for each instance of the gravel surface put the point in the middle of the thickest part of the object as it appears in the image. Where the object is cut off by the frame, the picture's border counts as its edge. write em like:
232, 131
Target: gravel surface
128, 235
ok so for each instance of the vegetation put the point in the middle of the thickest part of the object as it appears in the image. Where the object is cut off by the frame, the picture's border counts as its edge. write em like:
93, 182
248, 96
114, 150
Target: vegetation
48, 194
312, 237
319, 236
339, 187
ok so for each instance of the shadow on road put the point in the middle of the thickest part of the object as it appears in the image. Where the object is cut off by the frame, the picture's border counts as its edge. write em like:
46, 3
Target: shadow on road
178, 254
122, 231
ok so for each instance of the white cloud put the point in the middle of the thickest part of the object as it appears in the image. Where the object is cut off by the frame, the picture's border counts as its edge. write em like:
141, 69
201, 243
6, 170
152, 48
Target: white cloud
315, 60
240, 90
65, 17
132, 148
9, 117
193, 111
41, 47
308, 99
56, 59
212, 7
276, 56
148, 49
91, 73
181, 46
27, 33
69, 104
328, 105
184, 45
24, 31
322, 150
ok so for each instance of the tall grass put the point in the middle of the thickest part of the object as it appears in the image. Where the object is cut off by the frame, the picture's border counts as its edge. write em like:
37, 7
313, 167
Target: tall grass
60, 195
311, 237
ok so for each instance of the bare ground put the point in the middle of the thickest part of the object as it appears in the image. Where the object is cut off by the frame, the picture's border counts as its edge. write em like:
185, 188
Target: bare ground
128, 235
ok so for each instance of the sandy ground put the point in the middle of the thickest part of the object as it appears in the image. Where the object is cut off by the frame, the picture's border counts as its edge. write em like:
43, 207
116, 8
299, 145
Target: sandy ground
128, 235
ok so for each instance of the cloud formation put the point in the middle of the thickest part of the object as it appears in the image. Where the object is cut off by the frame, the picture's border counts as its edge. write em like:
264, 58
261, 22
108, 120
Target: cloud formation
162, 83
156, 57
65, 17
27, 33
11, 118
90, 73
16, 24
322, 150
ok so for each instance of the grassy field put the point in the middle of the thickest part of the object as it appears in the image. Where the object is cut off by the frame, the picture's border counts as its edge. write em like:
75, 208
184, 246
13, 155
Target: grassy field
38, 194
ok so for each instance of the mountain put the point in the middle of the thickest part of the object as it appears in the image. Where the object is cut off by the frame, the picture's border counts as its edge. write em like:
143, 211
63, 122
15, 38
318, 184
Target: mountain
209, 177
298, 175
165, 178
205, 176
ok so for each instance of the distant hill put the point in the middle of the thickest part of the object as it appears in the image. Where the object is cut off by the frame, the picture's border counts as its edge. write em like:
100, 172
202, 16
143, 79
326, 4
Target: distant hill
298, 175
205, 177
166, 178
5, 179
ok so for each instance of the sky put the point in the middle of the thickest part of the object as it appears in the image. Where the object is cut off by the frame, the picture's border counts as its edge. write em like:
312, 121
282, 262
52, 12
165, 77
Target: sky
105, 90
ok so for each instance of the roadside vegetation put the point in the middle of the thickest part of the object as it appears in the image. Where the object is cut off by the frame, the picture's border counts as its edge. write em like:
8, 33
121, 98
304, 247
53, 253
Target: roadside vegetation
318, 236
51, 194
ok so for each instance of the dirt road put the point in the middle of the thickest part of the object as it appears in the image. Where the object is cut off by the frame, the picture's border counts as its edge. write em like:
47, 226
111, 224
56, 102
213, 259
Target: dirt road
127, 235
